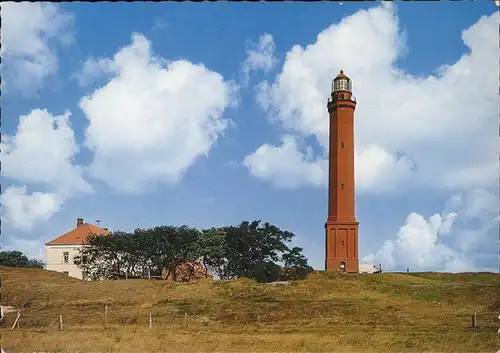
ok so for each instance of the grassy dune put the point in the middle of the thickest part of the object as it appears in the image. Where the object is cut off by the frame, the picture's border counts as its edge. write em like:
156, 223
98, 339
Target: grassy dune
419, 312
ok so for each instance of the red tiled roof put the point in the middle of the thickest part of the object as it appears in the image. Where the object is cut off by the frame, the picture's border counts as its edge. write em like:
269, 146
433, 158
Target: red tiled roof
78, 235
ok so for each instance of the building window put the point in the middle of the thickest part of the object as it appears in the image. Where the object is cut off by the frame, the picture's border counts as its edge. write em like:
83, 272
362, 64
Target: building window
342, 145
65, 257
66, 273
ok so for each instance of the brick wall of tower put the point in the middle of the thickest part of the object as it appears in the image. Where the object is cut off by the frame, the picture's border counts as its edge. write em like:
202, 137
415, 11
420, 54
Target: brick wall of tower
341, 227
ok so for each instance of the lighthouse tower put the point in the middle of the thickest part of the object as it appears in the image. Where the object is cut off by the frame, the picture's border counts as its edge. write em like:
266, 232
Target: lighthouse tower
341, 225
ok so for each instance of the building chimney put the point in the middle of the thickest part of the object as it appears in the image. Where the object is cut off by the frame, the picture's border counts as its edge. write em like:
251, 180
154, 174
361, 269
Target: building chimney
79, 222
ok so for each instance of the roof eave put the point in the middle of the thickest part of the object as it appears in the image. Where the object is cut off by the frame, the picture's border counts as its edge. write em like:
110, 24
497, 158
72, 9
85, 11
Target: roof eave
48, 244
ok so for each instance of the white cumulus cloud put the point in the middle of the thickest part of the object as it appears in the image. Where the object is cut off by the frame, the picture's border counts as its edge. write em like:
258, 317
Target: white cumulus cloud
93, 69
453, 241
408, 129
260, 56
153, 118
23, 210
417, 246
30, 32
285, 166
41, 153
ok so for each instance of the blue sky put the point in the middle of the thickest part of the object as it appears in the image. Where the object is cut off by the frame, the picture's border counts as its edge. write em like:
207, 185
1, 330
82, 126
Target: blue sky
210, 114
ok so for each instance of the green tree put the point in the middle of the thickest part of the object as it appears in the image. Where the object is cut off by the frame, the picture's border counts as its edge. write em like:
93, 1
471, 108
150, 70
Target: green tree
214, 252
18, 259
98, 258
177, 245
295, 265
139, 254
253, 250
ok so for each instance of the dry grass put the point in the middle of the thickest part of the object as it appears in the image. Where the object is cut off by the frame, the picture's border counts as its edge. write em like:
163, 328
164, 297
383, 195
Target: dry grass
421, 312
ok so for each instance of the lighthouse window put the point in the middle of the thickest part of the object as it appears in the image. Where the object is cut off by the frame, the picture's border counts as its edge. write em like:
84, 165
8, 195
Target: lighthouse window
342, 145
342, 186
342, 243
343, 85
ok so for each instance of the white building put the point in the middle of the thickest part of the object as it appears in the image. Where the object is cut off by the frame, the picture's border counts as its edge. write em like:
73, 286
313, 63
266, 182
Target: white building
62, 250
368, 268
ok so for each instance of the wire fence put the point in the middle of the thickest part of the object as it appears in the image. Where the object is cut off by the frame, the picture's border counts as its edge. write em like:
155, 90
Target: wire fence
107, 316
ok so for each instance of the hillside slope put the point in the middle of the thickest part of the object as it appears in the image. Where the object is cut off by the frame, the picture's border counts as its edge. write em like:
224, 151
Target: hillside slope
325, 313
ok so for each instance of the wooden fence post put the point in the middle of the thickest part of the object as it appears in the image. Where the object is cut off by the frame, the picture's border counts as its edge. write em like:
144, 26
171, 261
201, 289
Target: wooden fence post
60, 322
105, 316
150, 320
16, 322
185, 319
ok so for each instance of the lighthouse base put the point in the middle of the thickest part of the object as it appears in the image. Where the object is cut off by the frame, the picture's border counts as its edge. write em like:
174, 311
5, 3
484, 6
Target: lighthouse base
341, 246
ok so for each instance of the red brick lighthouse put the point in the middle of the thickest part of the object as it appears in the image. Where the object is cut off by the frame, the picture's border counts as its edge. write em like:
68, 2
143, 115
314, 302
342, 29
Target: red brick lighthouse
341, 225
